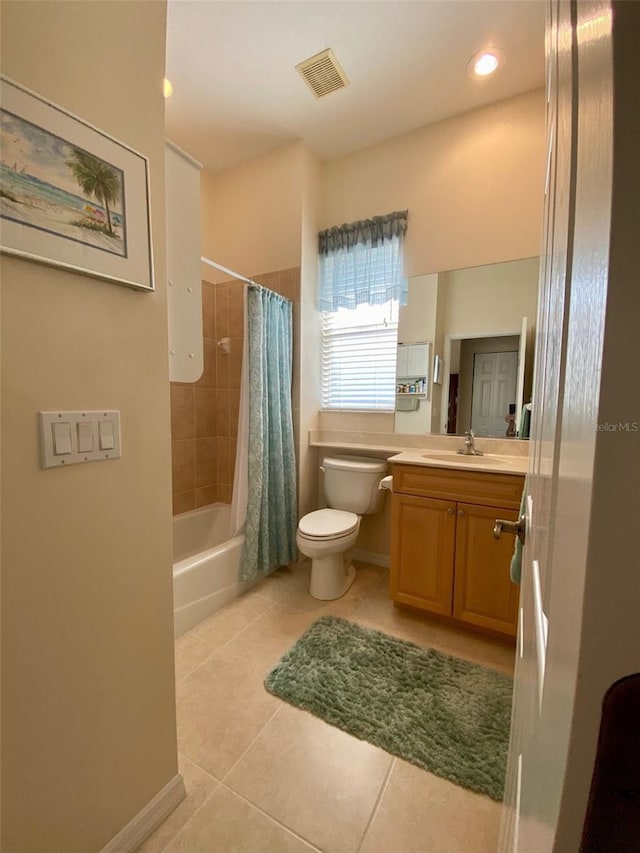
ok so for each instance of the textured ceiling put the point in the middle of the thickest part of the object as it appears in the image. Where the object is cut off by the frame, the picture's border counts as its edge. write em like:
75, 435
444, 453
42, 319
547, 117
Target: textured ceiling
236, 93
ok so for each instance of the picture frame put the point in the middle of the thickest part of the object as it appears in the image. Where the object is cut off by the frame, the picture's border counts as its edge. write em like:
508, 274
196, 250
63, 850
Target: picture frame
71, 195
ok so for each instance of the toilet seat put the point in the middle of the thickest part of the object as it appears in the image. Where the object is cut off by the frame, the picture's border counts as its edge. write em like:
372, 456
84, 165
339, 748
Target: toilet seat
328, 524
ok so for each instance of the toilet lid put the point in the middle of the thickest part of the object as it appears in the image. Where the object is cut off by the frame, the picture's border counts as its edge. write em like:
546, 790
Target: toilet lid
328, 523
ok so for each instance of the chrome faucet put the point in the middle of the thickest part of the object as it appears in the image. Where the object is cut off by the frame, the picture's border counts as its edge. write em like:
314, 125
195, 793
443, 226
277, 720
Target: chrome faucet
469, 446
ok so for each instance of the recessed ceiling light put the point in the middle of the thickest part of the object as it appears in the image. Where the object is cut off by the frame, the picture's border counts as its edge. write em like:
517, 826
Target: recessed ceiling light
167, 88
485, 62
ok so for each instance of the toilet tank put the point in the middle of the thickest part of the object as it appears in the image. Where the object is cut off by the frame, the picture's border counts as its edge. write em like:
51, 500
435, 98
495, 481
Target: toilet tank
351, 483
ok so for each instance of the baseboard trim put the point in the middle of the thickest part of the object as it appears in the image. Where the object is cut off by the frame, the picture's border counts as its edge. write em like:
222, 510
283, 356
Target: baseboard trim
149, 818
370, 557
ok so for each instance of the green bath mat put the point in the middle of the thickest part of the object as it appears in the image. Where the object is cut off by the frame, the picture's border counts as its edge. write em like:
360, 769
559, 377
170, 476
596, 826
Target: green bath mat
446, 715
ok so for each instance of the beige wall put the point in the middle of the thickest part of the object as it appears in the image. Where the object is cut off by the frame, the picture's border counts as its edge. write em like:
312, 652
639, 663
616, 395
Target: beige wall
88, 697
473, 185
417, 319
361, 421
375, 531
491, 298
250, 215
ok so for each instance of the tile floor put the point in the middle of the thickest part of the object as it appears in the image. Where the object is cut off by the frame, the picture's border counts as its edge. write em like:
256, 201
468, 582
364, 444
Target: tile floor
264, 776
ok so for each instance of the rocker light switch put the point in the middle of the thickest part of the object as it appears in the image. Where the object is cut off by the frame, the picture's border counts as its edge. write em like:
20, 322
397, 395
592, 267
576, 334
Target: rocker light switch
61, 438
107, 439
69, 438
85, 437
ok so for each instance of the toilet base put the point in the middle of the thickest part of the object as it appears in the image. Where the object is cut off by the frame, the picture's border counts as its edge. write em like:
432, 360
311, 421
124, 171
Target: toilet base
331, 576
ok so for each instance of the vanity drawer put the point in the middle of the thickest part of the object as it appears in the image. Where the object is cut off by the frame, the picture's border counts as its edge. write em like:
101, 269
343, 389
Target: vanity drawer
483, 487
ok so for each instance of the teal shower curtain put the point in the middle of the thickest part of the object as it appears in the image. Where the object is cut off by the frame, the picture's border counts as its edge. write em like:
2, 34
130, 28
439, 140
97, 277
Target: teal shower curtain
271, 515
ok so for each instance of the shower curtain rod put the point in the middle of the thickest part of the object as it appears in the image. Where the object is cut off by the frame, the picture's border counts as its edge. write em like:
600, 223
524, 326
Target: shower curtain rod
238, 276
228, 271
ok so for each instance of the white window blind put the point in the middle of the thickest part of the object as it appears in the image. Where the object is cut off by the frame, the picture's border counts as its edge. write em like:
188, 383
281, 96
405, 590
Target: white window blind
359, 357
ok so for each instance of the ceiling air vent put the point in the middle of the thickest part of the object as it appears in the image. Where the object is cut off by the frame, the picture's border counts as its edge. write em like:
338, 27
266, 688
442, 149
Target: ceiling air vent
322, 73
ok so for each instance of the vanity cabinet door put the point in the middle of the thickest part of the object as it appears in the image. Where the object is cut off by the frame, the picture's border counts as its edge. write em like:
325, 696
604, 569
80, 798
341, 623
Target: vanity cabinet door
423, 547
484, 594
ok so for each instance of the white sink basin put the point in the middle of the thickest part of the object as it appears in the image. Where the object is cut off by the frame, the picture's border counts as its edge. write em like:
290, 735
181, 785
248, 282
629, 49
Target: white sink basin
461, 457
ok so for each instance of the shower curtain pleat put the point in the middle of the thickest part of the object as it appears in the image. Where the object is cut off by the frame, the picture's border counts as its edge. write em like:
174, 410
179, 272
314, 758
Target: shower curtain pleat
240, 494
271, 517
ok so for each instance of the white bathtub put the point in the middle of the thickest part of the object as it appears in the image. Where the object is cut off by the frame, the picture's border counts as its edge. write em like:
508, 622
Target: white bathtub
206, 565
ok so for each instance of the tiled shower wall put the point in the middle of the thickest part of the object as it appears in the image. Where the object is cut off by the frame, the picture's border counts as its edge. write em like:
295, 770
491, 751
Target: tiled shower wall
204, 415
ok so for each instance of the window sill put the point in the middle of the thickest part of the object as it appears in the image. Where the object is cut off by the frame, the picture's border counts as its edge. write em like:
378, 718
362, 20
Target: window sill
364, 411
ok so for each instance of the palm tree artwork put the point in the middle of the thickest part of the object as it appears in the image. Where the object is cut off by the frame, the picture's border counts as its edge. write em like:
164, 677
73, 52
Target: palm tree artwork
96, 178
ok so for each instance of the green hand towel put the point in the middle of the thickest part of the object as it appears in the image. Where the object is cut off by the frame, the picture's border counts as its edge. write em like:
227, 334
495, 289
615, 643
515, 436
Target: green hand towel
515, 569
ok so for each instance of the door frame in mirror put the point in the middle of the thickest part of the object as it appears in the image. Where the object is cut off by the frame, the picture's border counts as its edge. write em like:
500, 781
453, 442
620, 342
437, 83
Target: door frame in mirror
463, 336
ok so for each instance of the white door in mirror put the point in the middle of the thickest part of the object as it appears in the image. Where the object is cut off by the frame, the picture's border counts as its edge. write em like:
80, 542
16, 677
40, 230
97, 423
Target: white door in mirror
494, 389
68, 438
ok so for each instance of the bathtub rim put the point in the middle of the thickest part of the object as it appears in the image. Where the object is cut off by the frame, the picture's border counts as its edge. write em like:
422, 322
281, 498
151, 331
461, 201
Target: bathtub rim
200, 557
206, 580
183, 518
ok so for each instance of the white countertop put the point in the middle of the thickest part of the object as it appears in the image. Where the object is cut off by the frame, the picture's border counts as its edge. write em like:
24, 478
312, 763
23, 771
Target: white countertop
501, 456
496, 464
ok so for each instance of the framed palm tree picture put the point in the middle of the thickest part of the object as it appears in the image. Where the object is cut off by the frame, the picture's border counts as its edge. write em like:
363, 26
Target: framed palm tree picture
70, 194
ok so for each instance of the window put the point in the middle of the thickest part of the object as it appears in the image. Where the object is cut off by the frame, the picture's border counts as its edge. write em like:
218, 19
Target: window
359, 357
361, 286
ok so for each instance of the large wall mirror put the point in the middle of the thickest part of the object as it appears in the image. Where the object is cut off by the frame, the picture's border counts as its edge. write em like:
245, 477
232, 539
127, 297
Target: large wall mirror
478, 327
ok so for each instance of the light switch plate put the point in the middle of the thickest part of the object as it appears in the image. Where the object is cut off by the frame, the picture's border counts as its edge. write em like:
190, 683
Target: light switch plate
81, 424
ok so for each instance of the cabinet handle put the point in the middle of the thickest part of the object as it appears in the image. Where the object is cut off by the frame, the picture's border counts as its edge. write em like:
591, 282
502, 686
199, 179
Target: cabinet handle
460, 512
450, 511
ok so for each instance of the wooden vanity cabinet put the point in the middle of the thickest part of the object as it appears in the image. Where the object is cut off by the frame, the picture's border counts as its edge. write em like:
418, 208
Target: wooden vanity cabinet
444, 558
423, 554
483, 593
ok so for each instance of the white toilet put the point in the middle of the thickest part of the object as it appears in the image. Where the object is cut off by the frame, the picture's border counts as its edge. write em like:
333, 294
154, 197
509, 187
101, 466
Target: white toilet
351, 489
